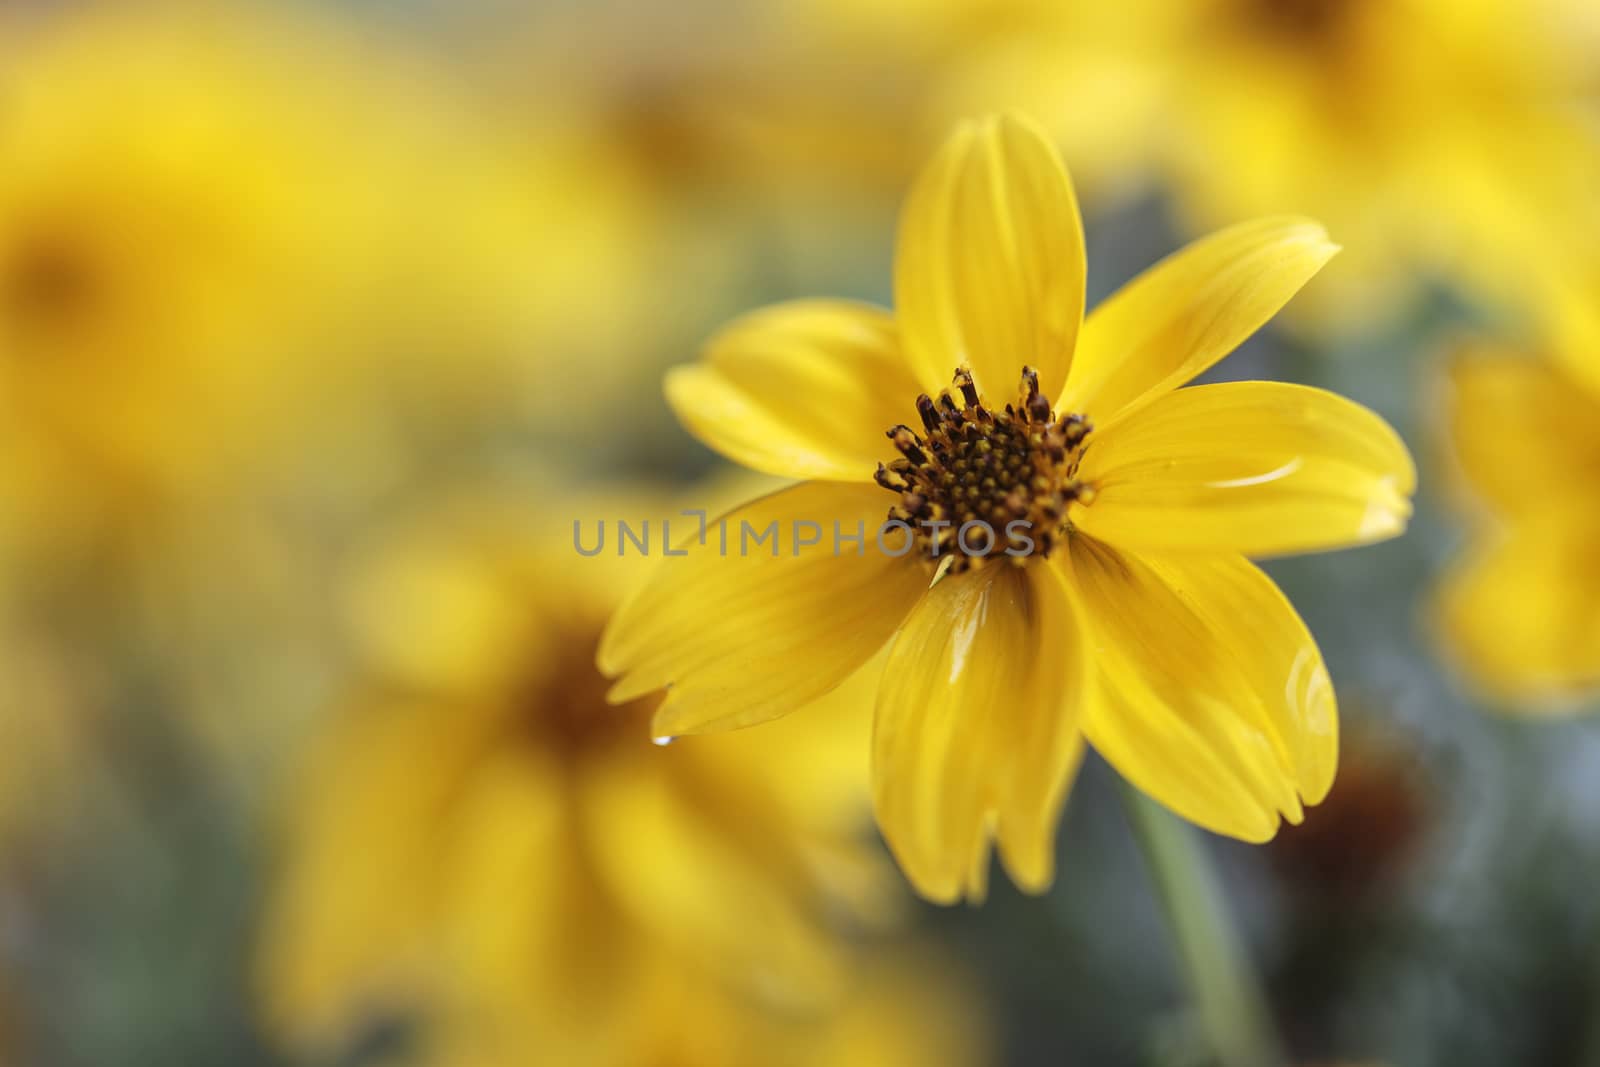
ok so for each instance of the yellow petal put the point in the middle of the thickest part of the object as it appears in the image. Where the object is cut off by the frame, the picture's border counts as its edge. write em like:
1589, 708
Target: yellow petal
1048, 742
746, 628
1253, 623
989, 270
804, 780
515, 827
1522, 611
976, 730
382, 779
801, 390
1258, 468
1178, 706
678, 864
1523, 431
1188, 311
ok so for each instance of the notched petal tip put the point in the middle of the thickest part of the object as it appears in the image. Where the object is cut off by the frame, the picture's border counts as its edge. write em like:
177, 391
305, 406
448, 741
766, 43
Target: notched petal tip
683, 714
1268, 831
1032, 879
616, 648
673, 720
947, 880
1313, 237
626, 690
935, 889
1389, 515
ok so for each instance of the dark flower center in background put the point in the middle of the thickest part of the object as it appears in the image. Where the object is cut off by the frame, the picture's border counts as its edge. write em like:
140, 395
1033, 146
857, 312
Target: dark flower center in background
564, 706
48, 284
1310, 24
1366, 833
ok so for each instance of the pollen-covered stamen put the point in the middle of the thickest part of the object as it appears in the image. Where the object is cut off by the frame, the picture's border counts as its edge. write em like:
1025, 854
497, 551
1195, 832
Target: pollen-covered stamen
980, 483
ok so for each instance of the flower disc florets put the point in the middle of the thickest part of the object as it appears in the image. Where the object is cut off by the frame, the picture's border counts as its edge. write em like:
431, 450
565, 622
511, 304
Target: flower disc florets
977, 483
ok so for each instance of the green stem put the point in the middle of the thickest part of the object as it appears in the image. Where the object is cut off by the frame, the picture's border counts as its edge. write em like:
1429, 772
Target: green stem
1589, 1053
1233, 1013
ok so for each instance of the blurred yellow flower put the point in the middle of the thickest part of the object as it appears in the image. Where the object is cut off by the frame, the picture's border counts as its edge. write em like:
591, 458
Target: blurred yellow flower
638, 170
1438, 138
1148, 633
903, 1012
485, 843
1521, 610
914, 68
1430, 134
910, 1012
209, 239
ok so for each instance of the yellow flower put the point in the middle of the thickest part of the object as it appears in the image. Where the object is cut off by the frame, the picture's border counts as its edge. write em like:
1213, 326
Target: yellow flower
1430, 134
1521, 609
904, 1011
485, 844
1434, 136
1131, 620
208, 240
900, 1012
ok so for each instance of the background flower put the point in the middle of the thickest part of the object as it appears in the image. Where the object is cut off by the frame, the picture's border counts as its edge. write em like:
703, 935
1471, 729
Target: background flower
490, 852
1518, 609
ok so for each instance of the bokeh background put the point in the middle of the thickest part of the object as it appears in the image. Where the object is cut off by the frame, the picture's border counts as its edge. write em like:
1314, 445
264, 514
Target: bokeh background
320, 323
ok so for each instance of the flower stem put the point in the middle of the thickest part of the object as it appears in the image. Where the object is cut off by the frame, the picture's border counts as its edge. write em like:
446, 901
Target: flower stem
1233, 1013
1589, 1051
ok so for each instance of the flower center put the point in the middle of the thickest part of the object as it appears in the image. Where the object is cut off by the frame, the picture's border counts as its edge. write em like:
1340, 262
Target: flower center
564, 708
979, 483
1299, 23
48, 283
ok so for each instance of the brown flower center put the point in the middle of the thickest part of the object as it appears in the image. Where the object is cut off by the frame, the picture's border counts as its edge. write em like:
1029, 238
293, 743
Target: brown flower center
564, 706
48, 283
980, 484
1312, 24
